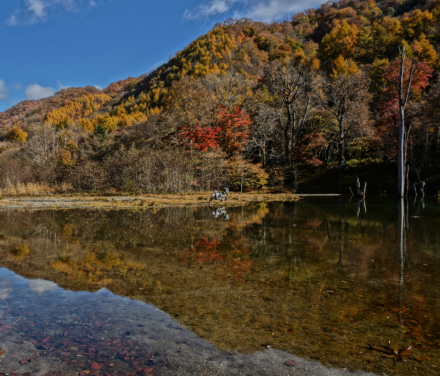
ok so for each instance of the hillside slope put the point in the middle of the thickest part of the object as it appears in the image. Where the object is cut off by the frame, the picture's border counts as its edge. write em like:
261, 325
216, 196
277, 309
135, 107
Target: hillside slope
248, 96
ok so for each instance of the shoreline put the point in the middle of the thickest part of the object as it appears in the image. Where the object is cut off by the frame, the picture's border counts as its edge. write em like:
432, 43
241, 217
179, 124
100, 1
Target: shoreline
73, 201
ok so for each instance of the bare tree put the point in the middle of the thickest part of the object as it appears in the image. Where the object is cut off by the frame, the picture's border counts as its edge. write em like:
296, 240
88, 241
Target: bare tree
292, 84
230, 90
403, 94
264, 139
405, 78
346, 98
42, 144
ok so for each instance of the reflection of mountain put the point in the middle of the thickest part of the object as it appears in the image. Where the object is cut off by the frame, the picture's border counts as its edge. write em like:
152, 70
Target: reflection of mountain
270, 275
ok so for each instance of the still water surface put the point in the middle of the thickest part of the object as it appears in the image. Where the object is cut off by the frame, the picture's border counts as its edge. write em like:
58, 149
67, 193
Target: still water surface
322, 277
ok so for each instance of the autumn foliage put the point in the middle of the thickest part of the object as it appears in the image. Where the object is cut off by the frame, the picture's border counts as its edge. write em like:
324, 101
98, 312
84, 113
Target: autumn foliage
389, 105
247, 104
233, 130
16, 134
200, 138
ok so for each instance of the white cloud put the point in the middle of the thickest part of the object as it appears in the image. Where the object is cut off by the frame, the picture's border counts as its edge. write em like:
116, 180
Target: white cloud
269, 11
210, 8
36, 8
258, 10
35, 91
5, 292
62, 86
35, 11
3, 91
38, 286
12, 20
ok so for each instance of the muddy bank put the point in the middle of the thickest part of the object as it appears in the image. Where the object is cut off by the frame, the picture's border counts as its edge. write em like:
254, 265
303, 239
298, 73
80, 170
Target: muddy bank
45, 330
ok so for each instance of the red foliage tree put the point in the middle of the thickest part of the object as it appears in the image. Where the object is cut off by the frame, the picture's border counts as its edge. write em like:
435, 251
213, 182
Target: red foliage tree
415, 79
310, 147
233, 130
202, 139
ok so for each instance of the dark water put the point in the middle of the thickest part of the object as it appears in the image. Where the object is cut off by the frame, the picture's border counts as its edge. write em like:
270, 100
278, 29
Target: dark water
322, 278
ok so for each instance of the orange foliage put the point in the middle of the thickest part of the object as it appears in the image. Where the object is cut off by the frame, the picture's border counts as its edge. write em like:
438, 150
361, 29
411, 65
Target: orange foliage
234, 130
76, 111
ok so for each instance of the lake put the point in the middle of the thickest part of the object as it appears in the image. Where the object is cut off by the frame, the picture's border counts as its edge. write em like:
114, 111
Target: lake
330, 279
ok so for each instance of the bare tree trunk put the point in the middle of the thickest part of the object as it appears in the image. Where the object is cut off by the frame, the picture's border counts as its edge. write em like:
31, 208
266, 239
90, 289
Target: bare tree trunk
342, 162
241, 182
401, 149
403, 133
361, 191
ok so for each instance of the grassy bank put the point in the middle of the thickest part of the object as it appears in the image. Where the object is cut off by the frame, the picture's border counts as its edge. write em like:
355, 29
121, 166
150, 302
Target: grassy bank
64, 201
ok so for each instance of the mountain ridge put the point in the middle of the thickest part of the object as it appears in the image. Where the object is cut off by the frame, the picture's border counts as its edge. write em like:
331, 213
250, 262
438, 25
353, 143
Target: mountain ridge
186, 62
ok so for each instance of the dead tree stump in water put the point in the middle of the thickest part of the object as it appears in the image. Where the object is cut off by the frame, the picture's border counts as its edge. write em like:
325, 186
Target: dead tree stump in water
361, 191
421, 190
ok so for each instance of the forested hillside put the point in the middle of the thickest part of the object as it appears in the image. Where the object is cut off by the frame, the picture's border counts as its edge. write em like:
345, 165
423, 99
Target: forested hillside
310, 102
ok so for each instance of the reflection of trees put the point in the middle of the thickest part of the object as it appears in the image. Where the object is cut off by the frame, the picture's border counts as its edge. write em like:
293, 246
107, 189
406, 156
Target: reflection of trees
340, 264
204, 251
272, 268
89, 245
361, 203
419, 204
402, 218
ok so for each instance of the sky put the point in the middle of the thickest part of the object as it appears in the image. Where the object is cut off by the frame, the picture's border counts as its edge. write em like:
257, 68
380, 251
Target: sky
49, 45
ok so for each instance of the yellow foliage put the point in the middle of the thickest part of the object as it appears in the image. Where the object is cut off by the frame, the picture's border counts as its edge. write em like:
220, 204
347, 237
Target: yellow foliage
416, 22
345, 67
315, 64
424, 50
155, 110
77, 110
16, 134
299, 56
107, 122
65, 157
123, 121
87, 125
341, 40
377, 74
214, 69
249, 174
20, 251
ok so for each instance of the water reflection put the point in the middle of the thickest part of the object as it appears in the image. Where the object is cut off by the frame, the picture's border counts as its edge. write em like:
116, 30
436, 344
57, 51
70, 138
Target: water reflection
319, 277
80, 331
219, 212
48, 331
402, 217
361, 203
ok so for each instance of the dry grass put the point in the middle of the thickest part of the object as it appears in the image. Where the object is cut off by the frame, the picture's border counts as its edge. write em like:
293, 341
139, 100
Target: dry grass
34, 189
31, 196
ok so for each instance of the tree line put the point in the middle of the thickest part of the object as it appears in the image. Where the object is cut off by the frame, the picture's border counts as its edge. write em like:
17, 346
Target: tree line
252, 105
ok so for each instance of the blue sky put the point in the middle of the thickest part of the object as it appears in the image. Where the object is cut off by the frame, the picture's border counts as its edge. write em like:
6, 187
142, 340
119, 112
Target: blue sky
53, 44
